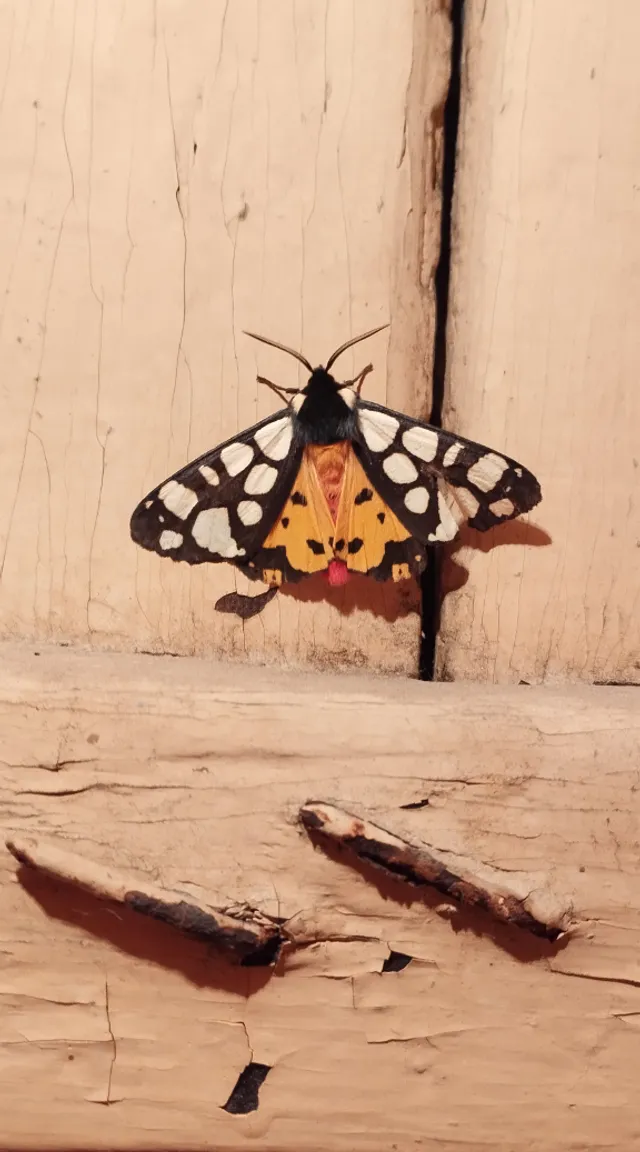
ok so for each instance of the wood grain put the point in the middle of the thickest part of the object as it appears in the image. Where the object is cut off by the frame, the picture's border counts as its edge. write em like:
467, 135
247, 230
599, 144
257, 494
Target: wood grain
543, 344
192, 774
175, 173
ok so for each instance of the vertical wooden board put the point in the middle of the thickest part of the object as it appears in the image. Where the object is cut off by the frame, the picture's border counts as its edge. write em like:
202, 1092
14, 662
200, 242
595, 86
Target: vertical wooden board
174, 173
543, 342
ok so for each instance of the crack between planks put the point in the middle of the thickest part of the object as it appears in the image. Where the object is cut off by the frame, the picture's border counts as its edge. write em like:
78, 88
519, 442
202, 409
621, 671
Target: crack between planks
431, 579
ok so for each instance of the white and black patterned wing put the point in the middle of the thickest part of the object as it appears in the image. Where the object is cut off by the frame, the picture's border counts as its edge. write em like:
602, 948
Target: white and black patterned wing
433, 479
221, 506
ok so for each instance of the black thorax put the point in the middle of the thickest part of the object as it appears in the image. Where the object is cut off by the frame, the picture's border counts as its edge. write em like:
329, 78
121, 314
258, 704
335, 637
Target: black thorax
324, 417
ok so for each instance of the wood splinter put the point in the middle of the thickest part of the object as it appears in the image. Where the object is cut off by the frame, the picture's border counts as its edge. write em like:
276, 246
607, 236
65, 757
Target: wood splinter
538, 912
255, 941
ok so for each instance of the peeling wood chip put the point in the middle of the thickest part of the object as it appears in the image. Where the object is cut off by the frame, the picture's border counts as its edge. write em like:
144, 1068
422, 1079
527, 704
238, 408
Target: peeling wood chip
539, 913
245, 942
244, 606
251, 944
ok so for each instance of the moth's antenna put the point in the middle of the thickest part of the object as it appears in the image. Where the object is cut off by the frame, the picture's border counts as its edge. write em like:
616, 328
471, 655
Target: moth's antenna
350, 343
282, 347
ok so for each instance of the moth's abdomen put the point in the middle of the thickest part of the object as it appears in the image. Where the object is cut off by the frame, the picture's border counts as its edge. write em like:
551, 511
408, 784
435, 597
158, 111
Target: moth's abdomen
328, 461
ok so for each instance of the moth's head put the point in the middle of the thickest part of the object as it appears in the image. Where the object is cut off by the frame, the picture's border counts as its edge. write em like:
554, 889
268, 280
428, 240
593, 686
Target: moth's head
320, 379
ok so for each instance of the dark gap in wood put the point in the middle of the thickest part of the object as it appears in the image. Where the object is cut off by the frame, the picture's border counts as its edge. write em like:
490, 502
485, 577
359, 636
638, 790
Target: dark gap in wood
431, 578
265, 956
244, 1097
396, 962
615, 684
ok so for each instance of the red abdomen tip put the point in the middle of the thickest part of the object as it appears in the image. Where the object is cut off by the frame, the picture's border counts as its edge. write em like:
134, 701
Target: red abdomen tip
337, 573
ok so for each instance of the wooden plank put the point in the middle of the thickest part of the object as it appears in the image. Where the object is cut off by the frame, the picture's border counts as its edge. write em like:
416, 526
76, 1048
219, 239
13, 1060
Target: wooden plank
191, 774
544, 350
176, 173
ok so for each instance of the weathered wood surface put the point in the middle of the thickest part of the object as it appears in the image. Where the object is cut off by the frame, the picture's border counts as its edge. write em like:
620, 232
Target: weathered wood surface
191, 774
543, 343
174, 173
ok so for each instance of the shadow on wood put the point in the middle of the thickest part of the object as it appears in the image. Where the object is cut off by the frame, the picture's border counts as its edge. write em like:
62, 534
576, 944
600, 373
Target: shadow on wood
454, 575
520, 532
145, 939
387, 601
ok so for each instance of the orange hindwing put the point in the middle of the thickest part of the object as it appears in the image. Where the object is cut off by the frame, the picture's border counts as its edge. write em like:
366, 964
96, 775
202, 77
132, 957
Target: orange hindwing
334, 517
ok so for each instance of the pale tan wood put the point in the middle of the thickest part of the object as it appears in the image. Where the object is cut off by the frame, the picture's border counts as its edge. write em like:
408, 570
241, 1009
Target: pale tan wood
175, 173
192, 773
543, 344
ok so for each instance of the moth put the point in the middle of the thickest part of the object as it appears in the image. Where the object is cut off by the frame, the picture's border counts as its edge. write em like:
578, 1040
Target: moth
330, 483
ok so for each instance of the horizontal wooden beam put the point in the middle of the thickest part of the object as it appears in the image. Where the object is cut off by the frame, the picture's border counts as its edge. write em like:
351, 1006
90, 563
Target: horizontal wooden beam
397, 1017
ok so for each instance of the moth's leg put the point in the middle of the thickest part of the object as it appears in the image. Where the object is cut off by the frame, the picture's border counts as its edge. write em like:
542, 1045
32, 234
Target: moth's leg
281, 392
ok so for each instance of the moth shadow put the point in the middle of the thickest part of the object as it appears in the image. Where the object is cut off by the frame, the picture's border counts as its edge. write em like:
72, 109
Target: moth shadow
519, 532
141, 937
454, 575
389, 601
518, 943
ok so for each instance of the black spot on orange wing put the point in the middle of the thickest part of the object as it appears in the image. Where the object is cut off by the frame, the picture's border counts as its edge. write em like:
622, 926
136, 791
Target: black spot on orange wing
339, 545
298, 544
364, 495
401, 560
270, 564
379, 545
